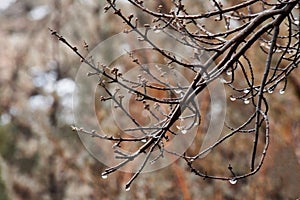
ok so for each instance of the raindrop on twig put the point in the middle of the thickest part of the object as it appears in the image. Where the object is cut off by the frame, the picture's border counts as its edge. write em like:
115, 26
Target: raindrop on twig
233, 181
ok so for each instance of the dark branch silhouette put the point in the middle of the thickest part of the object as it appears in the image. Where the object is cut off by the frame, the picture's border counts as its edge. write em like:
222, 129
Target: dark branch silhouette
229, 33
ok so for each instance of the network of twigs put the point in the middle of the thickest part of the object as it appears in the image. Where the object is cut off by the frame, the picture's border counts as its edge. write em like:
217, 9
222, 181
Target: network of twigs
272, 27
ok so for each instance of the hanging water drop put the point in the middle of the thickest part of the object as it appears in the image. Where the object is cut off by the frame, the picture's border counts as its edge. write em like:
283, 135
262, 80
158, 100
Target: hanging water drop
246, 101
296, 22
183, 131
270, 91
281, 91
246, 91
104, 176
144, 140
229, 72
233, 181
127, 188
232, 98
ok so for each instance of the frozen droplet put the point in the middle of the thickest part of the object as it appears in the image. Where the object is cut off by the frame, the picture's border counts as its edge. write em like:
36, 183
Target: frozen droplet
232, 98
127, 188
246, 91
270, 91
104, 176
183, 131
281, 91
229, 72
233, 181
246, 101
144, 140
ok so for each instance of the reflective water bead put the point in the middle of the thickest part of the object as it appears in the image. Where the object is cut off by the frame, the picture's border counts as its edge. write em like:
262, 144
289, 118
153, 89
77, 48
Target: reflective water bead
281, 91
232, 98
233, 181
104, 176
246, 101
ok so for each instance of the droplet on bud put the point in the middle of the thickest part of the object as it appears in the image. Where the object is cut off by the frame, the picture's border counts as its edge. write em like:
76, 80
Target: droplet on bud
281, 91
232, 98
246, 91
233, 181
246, 101
127, 188
104, 176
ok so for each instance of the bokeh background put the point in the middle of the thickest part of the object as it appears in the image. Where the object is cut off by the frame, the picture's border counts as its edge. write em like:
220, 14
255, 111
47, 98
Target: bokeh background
41, 158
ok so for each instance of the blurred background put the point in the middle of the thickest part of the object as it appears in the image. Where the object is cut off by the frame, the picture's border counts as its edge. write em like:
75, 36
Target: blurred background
41, 158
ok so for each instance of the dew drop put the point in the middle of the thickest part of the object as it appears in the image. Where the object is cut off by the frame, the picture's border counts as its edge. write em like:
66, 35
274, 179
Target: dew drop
281, 91
233, 181
232, 98
246, 91
246, 101
157, 31
297, 22
127, 189
104, 176
270, 91
229, 73
183, 131
144, 140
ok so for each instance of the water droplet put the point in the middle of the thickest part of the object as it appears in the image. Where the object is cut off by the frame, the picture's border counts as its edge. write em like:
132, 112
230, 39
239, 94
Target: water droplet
127, 189
281, 91
246, 91
270, 91
246, 101
232, 98
233, 181
229, 72
296, 22
144, 140
157, 31
183, 131
104, 176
